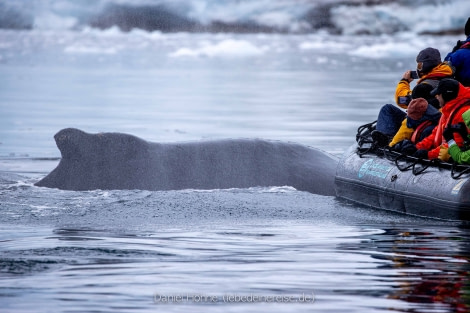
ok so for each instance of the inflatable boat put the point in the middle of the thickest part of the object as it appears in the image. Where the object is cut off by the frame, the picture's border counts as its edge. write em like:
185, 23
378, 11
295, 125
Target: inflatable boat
378, 177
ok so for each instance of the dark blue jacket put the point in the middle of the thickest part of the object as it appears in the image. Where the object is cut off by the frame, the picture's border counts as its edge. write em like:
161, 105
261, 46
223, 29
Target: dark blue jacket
431, 114
459, 58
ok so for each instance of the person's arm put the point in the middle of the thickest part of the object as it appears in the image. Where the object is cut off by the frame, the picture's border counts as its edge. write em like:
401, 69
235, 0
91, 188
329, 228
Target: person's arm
454, 61
428, 142
404, 132
434, 153
459, 156
459, 140
403, 89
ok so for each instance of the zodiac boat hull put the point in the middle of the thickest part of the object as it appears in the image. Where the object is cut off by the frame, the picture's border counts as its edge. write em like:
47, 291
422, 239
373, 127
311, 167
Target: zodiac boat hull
376, 181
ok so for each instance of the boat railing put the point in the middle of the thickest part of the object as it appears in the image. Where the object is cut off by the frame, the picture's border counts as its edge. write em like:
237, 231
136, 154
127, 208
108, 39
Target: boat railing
404, 162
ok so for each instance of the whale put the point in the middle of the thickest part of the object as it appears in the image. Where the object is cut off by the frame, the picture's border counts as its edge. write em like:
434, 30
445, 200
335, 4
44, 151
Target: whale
120, 161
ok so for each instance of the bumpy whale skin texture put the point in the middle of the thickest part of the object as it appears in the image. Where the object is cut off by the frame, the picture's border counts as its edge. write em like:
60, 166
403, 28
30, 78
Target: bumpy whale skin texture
121, 161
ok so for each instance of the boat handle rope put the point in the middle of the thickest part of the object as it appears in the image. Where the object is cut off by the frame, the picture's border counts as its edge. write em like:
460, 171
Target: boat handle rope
391, 155
425, 165
454, 168
366, 128
362, 151
363, 137
403, 169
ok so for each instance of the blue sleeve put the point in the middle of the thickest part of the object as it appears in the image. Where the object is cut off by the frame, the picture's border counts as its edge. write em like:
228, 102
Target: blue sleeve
447, 58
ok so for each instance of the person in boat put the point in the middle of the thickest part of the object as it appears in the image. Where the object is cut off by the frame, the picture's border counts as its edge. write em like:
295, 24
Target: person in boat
454, 99
459, 155
459, 58
430, 70
421, 117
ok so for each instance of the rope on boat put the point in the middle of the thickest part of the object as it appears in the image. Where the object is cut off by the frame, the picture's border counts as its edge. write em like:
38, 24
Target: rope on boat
465, 169
400, 157
365, 145
425, 165
363, 137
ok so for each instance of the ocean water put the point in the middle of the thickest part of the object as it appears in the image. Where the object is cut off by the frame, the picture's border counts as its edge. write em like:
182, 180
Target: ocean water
234, 250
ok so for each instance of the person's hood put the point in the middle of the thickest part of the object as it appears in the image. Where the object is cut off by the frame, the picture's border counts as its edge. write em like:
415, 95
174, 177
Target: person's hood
440, 71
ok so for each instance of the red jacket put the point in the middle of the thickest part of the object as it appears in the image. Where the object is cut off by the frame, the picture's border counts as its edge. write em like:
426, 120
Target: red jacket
433, 142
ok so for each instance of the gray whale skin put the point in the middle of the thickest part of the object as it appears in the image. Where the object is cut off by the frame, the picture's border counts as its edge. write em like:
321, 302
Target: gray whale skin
122, 161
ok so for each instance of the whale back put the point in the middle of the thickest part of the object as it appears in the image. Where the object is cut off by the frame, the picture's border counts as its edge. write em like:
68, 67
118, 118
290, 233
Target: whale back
122, 161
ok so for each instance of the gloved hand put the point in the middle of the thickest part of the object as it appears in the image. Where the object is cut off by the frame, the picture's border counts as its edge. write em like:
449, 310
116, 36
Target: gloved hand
448, 134
421, 154
461, 128
444, 154
398, 146
407, 147
404, 146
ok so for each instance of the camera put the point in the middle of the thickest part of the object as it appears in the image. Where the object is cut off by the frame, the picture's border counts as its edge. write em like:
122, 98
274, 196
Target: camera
414, 74
404, 100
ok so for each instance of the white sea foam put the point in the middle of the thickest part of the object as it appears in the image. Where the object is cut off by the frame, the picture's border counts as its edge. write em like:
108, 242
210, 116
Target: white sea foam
320, 43
225, 48
53, 21
82, 49
384, 50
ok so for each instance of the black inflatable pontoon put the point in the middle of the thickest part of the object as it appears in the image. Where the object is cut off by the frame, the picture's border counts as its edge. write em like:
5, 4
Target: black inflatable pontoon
384, 179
